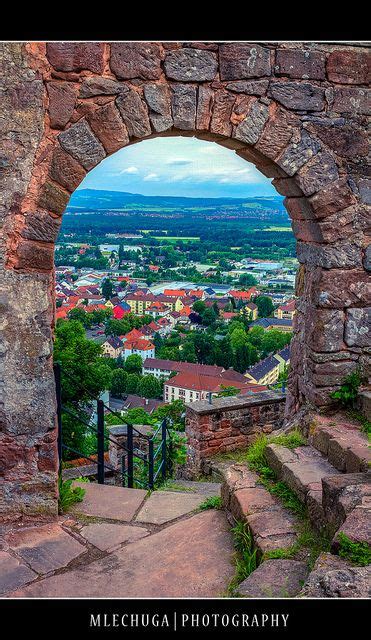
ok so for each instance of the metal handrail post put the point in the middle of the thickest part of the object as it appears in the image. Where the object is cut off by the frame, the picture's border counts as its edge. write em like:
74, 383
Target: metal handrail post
100, 436
130, 456
150, 465
164, 460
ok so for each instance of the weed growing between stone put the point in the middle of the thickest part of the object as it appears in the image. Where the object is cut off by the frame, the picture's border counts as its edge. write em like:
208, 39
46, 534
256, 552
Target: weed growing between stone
348, 391
68, 495
359, 553
365, 424
309, 540
213, 502
246, 560
255, 455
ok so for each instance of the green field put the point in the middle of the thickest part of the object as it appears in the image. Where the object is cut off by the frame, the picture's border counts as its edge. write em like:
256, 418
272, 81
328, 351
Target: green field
176, 238
278, 229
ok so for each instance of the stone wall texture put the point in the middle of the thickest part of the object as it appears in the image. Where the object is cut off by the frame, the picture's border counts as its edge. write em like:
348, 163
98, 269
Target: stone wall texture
229, 424
298, 111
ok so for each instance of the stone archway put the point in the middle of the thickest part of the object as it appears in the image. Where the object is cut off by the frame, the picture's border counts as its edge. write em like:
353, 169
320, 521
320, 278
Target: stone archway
298, 112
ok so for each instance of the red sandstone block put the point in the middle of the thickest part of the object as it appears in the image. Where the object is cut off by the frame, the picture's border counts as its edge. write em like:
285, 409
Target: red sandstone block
66, 170
332, 198
349, 67
108, 126
251, 500
62, 98
75, 56
351, 100
53, 198
300, 63
32, 255
357, 458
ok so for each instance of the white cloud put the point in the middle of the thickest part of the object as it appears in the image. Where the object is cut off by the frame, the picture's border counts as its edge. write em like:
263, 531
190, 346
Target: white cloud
130, 170
150, 176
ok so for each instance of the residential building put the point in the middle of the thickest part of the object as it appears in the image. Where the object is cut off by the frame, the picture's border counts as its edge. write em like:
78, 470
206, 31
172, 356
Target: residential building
112, 347
139, 302
251, 309
264, 372
140, 347
132, 401
191, 387
286, 310
283, 358
227, 316
164, 368
282, 324
268, 370
120, 310
244, 295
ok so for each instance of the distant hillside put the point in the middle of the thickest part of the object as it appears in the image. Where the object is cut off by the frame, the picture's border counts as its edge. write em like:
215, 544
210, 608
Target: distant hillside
94, 200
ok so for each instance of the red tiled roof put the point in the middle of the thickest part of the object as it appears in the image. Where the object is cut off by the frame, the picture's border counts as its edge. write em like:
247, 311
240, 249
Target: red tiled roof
288, 306
199, 382
186, 311
176, 365
178, 293
244, 295
141, 345
133, 334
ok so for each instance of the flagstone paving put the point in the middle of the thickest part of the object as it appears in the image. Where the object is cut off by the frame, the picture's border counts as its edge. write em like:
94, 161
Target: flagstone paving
106, 501
191, 558
107, 536
124, 543
163, 506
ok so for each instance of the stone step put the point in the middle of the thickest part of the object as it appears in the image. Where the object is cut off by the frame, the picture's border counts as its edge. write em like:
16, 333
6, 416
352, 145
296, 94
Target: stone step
342, 494
334, 577
275, 579
272, 526
342, 442
303, 470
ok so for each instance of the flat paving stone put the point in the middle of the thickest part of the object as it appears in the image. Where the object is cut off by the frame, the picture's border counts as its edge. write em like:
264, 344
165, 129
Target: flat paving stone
191, 558
13, 573
275, 579
107, 536
114, 503
164, 506
45, 548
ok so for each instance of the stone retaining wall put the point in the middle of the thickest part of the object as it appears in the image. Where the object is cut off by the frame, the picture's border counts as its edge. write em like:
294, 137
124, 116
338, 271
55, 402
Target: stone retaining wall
229, 424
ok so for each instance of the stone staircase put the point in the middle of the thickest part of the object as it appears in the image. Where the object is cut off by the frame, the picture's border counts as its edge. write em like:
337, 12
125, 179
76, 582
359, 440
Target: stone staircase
330, 476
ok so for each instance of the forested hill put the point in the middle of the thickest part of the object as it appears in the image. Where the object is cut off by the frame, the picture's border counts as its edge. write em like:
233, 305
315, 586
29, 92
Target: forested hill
90, 200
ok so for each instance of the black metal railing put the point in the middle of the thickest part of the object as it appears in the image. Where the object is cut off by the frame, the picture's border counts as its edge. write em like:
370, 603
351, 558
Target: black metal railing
137, 468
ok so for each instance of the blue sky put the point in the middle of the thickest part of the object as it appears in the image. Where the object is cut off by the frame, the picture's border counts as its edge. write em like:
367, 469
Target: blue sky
179, 166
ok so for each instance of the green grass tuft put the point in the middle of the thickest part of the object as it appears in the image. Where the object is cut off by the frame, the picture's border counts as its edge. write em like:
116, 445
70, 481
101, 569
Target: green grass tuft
214, 502
246, 560
68, 495
290, 440
359, 553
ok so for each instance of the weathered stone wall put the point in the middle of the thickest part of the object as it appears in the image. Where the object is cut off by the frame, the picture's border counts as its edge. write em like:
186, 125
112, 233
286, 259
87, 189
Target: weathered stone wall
229, 423
297, 111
